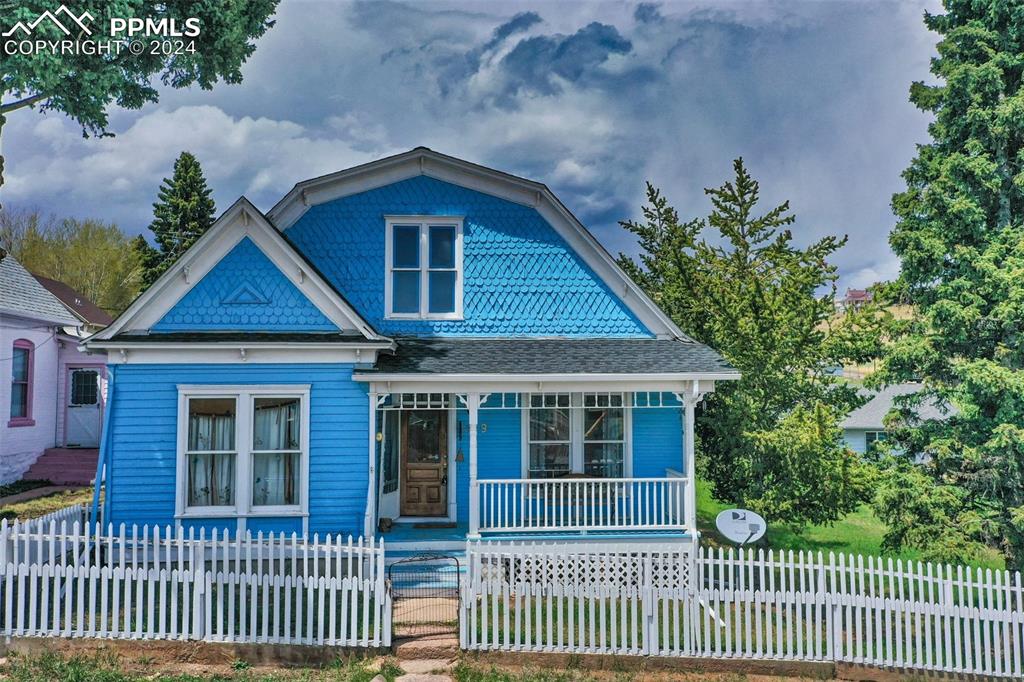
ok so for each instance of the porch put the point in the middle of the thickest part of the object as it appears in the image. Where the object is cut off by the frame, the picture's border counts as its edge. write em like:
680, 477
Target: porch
587, 465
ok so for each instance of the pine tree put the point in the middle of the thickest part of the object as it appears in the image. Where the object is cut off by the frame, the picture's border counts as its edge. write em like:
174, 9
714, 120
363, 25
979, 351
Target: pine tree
736, 281
960, 238
184, 211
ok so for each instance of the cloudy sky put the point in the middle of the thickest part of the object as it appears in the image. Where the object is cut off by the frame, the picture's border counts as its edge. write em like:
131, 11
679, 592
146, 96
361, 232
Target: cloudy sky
591, 98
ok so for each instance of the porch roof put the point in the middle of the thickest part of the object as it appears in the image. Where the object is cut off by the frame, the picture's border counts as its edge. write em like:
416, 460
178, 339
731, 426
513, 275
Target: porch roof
520, 356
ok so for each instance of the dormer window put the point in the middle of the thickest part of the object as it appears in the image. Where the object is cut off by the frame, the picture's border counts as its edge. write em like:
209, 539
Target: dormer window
424, 267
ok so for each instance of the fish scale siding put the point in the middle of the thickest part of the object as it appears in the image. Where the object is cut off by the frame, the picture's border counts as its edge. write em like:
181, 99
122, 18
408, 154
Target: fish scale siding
521, 277
141, 477
245, 291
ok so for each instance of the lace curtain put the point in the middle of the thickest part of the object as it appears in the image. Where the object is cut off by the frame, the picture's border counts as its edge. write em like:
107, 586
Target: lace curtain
275, 474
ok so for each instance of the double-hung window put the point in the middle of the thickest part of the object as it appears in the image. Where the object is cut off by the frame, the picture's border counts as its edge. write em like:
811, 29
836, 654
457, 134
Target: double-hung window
22, 360
245, 450
576, 434
424, 267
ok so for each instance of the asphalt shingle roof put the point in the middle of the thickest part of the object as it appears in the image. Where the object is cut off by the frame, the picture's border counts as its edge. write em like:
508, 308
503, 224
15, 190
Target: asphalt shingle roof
76, 301
870, 415
551, 356
21, 294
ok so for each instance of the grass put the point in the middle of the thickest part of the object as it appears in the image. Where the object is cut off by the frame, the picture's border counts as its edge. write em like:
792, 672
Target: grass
41, 506
110, 667
857, 533
22, 486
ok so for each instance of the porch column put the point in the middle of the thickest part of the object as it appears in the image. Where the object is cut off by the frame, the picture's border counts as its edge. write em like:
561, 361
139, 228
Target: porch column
473, 405
369, 521
690, 400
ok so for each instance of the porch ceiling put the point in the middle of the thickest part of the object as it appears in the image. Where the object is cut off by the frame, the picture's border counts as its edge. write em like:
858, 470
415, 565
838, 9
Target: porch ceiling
518, 357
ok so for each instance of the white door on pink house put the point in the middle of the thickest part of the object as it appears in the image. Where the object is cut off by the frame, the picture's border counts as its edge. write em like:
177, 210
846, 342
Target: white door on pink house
83, 409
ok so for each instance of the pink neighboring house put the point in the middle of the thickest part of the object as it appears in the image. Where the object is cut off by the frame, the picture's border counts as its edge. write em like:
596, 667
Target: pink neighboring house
51, 394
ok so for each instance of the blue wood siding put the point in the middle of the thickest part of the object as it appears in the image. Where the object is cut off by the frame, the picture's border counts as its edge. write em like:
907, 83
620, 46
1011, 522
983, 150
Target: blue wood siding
657, 441
521, 277
245, 290
141, 477
499, 452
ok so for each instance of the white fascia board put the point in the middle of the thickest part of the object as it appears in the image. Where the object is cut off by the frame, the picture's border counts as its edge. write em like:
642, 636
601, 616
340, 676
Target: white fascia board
238, 222
237, 353
495, 183
549, 383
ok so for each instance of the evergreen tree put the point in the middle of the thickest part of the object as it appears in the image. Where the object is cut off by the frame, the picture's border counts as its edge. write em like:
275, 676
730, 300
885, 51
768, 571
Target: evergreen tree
184, 211
736, 282
960, 238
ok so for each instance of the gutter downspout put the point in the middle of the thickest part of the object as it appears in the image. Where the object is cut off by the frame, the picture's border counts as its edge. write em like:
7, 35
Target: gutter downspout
101, 461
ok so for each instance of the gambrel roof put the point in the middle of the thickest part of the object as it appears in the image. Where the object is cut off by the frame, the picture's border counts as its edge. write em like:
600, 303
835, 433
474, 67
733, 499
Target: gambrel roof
422, 161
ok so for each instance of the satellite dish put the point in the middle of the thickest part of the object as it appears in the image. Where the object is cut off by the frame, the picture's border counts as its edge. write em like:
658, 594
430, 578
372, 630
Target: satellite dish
742, 526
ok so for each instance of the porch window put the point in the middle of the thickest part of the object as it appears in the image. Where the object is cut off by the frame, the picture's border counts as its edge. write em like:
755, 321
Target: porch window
244, 450
424, 267
604, 437
550, 436
576, 433
22, 361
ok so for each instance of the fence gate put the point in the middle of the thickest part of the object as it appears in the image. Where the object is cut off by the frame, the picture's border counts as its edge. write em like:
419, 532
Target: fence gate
425, 595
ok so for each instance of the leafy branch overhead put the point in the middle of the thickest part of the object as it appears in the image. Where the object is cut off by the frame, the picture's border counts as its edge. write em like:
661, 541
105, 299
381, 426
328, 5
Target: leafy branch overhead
83, 86
735, 281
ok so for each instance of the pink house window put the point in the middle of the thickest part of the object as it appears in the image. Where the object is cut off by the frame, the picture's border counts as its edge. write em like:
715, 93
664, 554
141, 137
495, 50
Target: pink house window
22, 361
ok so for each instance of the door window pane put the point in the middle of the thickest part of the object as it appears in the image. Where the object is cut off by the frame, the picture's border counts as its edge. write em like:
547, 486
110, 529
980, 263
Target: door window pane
425, 431
442, 291
85, 387
406, 248
405, 292
275, 478
442, 247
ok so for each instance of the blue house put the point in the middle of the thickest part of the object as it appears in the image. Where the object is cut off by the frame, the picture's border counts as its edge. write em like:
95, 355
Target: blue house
418, 346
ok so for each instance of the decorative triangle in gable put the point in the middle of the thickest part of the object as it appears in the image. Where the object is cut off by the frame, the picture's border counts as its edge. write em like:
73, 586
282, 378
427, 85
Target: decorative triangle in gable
245, 294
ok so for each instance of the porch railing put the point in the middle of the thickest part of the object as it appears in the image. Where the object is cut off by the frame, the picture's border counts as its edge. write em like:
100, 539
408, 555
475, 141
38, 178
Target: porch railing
581, 504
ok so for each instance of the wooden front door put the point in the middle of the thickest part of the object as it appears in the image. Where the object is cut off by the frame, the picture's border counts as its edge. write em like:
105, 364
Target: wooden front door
424, 463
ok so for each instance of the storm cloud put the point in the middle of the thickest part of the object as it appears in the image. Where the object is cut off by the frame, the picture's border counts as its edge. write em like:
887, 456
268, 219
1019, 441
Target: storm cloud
592, 99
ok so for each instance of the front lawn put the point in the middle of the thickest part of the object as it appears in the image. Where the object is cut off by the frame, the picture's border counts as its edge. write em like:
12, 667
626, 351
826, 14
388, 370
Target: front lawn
858, 533
40, 506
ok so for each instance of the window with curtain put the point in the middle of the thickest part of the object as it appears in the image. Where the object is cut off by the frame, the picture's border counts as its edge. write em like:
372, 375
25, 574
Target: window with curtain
211, 452
276, 451
424, 263
576, 434
550, 436
21, 382
604, 437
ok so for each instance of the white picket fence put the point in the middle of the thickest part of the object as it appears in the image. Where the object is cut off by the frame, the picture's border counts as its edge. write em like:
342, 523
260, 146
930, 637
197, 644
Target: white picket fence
655, 600
64, 579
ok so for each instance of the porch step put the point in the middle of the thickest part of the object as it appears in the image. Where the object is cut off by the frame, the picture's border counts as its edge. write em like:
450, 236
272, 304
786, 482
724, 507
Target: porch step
64, 466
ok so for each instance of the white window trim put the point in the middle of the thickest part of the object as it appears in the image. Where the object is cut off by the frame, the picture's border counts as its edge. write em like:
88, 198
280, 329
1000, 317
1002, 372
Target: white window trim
244, 396
576, 463
423, 222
